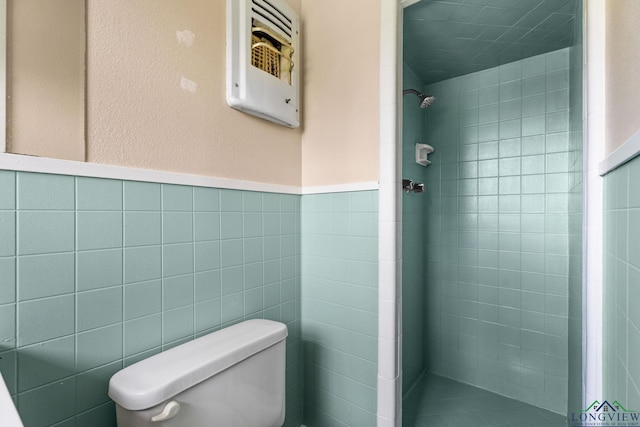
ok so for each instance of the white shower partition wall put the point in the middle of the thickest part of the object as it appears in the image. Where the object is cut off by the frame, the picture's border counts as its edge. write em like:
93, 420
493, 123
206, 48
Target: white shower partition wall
389, 408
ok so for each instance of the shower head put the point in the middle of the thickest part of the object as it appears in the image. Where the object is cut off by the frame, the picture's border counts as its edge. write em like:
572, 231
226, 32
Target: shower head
425, 100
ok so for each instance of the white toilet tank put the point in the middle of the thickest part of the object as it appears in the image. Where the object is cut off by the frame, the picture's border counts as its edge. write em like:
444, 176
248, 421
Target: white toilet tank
234, 377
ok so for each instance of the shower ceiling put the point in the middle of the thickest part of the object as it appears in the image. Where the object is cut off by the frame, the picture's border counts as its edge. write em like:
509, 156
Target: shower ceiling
449, 38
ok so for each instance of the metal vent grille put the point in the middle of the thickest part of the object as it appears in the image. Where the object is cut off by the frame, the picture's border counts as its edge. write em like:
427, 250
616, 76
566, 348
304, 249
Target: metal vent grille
271, 15
265, 56
271, 47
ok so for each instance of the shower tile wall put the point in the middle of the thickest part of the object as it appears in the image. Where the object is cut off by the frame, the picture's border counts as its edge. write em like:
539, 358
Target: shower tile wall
621, 364
340, 308
96, 274
497, 230
413, 265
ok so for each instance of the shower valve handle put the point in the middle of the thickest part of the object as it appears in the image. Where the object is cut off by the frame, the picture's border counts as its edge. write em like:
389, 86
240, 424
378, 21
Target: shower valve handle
409, 186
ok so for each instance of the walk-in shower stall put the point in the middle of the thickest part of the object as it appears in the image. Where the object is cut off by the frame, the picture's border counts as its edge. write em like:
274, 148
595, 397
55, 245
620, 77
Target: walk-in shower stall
492, 249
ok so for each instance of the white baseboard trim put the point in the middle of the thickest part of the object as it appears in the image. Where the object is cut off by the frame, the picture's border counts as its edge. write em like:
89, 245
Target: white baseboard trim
19, 162
624, 153
341, 188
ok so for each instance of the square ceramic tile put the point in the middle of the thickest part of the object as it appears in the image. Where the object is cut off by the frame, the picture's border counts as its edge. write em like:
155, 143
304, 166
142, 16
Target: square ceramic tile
45, 192
534, 105
99, 230
142, 228
177, 324
271, 224
97, 194
7, 280
34, 319
206, 226
534, 125
271, 202
144, 263
45, 232
230, 200
231, 225
557, 122
142, 196
509, 166
177, 227
7, 233
253, 275
534, 144
253, 302
634, 176
7, 190
232, 280
99, 347
8, 326
177, 259
232, 307
534, 85
207, 314
533, 66
8, 365
557, 142
207, 285
557, 101
47, 405
206, 199
177, 291
97, 269
142, 334
510, 90
142, 299
177, 198
556, 61
511, 128
91, 387
231, 253
45, 275
98, 308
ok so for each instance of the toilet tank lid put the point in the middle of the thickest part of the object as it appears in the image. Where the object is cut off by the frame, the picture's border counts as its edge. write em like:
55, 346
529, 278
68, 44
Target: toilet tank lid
162, 376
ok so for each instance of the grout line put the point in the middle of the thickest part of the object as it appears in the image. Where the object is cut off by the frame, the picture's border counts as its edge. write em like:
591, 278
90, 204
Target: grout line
162, 295
75, 276
122, 252
194, 331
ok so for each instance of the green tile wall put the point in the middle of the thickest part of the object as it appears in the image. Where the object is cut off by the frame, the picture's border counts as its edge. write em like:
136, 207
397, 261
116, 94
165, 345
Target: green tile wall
413, 265
96, 274
621, 329
339, 254
498, 259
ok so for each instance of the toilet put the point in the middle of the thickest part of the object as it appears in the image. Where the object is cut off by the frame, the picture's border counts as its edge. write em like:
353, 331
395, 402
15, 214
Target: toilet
234, 377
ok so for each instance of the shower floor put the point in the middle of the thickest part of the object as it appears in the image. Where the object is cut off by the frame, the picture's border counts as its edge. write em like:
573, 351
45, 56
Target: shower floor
438, 402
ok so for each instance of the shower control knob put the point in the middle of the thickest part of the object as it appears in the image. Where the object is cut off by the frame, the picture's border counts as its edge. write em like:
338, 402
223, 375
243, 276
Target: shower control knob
409, 186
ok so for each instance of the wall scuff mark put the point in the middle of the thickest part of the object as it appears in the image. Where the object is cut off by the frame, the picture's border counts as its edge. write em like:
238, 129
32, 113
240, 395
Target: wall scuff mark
185, 37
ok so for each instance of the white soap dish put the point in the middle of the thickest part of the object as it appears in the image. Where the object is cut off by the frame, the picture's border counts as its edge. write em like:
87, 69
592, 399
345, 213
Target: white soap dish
422, 152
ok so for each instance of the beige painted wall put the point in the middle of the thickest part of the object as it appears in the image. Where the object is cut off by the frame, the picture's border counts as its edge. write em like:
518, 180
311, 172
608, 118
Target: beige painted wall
341, 42
622, 72
45, 78
155, 93
156, 98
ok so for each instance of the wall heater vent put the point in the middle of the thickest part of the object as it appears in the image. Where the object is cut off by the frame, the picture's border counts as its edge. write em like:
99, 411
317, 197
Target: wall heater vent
263, 66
